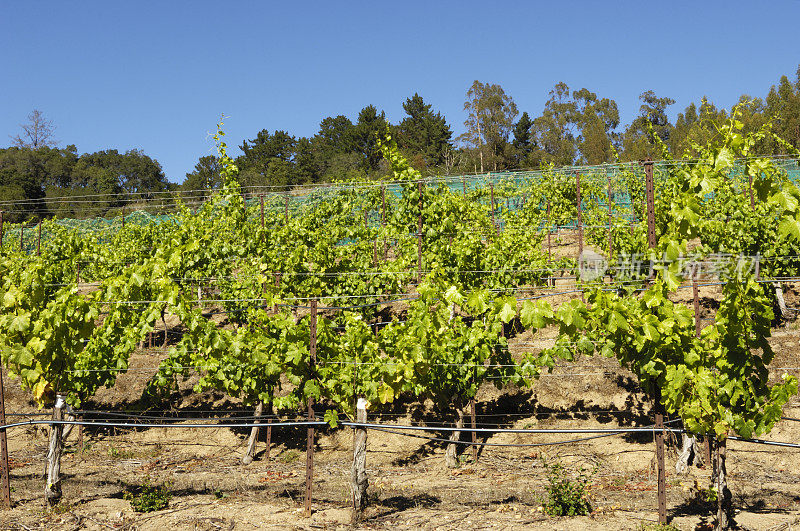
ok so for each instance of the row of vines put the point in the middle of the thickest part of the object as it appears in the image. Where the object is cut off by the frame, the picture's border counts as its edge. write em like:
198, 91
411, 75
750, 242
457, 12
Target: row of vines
418, 286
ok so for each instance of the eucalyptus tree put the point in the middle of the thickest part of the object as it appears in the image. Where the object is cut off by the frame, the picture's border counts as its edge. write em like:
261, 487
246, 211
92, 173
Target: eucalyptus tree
490, 119
636, 140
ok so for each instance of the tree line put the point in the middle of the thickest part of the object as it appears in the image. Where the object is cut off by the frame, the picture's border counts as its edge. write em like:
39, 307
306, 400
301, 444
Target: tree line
576, 126
40, 178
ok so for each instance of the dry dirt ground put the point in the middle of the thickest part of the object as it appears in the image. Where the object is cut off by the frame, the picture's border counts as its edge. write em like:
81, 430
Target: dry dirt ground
410, 487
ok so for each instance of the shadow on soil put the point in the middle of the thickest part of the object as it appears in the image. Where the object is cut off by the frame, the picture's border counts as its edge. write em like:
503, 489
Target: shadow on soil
161, 409
396, 504
507, 410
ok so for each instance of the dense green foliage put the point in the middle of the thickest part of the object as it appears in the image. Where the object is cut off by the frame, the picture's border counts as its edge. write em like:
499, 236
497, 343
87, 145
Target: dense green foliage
717, 382
418, 285
148, 498
566, 496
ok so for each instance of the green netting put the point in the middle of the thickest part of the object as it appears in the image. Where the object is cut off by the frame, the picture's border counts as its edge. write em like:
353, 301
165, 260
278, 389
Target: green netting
510, 190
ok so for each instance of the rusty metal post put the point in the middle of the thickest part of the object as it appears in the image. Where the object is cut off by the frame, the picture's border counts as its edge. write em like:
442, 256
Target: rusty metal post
123, 218
610, 221
547, 224
286, 209
39, 239
698, 326
5, 471
419, 257
1, 228
312, 350
269, 432
383, 221
277, 289
261, 201
383, 206
749, 186
21, 234
419, 237
659, 409
80, 435
580, 225
697, 329
491, 190
474, 433
580, 213
464, 184
651, 206
696, 295
651, 209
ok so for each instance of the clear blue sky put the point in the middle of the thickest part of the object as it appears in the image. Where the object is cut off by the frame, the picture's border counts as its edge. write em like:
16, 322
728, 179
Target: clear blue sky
157, 75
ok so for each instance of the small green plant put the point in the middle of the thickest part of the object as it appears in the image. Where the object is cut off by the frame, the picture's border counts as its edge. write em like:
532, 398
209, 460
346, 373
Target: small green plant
61, 508
289, 456
117, 453
148, 498
658, 527
701, 495
218, 494
566, 496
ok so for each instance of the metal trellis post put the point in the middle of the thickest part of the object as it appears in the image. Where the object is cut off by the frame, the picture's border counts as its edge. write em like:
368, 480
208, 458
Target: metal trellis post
312, 350
419, 237
549, 244
610, 222
494, 223
659, 409
474, 433
580, 213
5, 471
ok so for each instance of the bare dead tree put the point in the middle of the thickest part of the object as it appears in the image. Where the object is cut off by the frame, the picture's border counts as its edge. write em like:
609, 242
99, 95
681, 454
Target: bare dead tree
38, 132
452, 158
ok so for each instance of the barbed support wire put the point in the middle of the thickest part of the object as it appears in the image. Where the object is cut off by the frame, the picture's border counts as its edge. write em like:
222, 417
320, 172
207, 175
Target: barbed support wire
384, 427
320, 423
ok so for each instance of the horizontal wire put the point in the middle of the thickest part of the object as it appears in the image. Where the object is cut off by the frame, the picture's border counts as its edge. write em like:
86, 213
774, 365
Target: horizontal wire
506, 445
762, 441
380, 427
588, 287
270, 417
312, 423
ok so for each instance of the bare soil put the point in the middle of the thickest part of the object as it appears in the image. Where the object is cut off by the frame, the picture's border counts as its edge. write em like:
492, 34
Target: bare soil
410, 487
